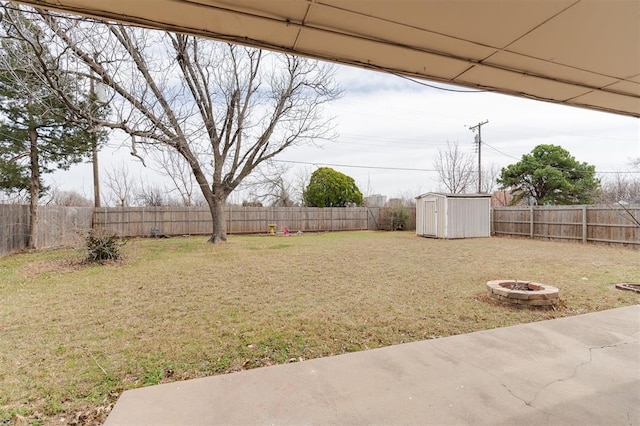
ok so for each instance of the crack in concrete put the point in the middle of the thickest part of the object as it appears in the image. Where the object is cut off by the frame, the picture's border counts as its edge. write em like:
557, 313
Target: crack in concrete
531, 402
575, 370
498, 378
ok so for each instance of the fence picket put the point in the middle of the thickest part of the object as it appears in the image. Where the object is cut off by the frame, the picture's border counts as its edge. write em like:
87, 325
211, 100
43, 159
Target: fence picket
60, 226
591, 223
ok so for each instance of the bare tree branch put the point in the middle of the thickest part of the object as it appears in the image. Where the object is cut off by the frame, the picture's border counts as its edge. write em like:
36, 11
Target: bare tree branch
225, 110
121, 184
455, 169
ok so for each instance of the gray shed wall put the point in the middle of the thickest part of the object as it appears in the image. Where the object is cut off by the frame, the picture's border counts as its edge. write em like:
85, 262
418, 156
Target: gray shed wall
443, 216
468, 217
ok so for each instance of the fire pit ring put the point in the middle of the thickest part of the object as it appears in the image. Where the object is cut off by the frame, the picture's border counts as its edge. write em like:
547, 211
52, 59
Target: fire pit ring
523, 293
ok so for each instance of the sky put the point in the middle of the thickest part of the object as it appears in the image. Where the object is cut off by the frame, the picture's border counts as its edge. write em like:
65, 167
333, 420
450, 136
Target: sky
390, 130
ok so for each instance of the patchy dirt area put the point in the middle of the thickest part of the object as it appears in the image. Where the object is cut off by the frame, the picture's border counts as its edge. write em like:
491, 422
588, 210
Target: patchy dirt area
48, 266
61, 266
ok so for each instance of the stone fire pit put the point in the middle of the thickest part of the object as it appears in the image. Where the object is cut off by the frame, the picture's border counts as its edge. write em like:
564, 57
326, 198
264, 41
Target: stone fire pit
523, 293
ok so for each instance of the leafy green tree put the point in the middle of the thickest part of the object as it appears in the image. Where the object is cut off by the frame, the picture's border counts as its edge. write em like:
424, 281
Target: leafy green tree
550, 175
37, 133
330, 188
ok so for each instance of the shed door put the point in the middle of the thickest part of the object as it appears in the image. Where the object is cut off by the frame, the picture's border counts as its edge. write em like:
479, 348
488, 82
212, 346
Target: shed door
430, 217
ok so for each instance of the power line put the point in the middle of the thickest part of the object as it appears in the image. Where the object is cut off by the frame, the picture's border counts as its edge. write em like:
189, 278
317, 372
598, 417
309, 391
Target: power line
359, 166
422, 83
560, 168
502, 152
408, 169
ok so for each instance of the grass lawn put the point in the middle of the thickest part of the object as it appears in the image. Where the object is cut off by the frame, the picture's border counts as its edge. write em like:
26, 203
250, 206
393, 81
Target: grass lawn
73, 336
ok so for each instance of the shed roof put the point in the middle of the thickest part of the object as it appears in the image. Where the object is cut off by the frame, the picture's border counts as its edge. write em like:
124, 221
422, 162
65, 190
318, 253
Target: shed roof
443, 194
576, 52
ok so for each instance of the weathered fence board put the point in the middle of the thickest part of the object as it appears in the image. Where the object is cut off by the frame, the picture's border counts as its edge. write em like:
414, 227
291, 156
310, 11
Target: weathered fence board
604, 224
57, 226
62, 226
14, 228
145, 221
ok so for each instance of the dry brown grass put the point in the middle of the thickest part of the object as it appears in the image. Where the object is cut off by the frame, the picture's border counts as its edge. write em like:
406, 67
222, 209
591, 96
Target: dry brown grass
74, 336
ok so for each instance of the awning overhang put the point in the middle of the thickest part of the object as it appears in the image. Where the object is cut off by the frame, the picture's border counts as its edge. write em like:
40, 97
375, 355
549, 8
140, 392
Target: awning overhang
583, 53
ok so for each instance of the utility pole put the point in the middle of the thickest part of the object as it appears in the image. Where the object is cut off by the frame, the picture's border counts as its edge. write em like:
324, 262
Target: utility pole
94, 145
478, 127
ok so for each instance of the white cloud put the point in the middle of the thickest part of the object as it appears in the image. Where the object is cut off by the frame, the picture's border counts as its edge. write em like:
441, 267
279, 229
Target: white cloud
386, 121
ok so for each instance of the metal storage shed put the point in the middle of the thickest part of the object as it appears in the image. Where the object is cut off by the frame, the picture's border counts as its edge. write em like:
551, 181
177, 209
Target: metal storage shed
453, 215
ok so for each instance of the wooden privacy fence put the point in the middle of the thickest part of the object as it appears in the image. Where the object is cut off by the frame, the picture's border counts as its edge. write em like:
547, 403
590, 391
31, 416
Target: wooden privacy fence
604, 224
64, 226
57, 226
149, 221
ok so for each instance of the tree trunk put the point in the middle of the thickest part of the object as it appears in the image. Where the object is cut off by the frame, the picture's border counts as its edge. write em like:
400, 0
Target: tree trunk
216, 205
94, 147
96, 175
34, 188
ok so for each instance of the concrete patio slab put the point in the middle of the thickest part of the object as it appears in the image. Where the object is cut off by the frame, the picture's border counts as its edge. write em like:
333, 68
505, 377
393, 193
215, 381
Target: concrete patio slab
581, 370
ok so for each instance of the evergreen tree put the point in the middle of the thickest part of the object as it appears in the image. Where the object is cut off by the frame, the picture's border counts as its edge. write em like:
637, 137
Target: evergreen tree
550, 175
37, 132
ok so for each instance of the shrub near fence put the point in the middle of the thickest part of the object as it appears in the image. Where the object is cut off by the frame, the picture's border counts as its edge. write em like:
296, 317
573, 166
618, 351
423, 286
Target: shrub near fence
399, 218
603, 224
145, 221
60, 226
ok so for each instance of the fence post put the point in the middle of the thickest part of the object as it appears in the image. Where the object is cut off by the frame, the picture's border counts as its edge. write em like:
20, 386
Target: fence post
331, 219
366, 218
492, 229
531, 224
584, 224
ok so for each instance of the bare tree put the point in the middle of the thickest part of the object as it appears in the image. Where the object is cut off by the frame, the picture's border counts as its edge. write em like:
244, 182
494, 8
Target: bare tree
13, 198
273, 188
455, 169
178, 171
121, 185
490, 175
300, 183
224, 109
59, 197
152, 196
620, 187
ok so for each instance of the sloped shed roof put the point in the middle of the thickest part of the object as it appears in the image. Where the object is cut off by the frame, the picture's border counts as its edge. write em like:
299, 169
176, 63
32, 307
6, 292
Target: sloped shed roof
577, 52
443, 194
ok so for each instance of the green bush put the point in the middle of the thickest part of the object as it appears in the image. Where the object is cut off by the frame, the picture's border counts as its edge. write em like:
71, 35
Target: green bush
399, 218
103, 247
330, 188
